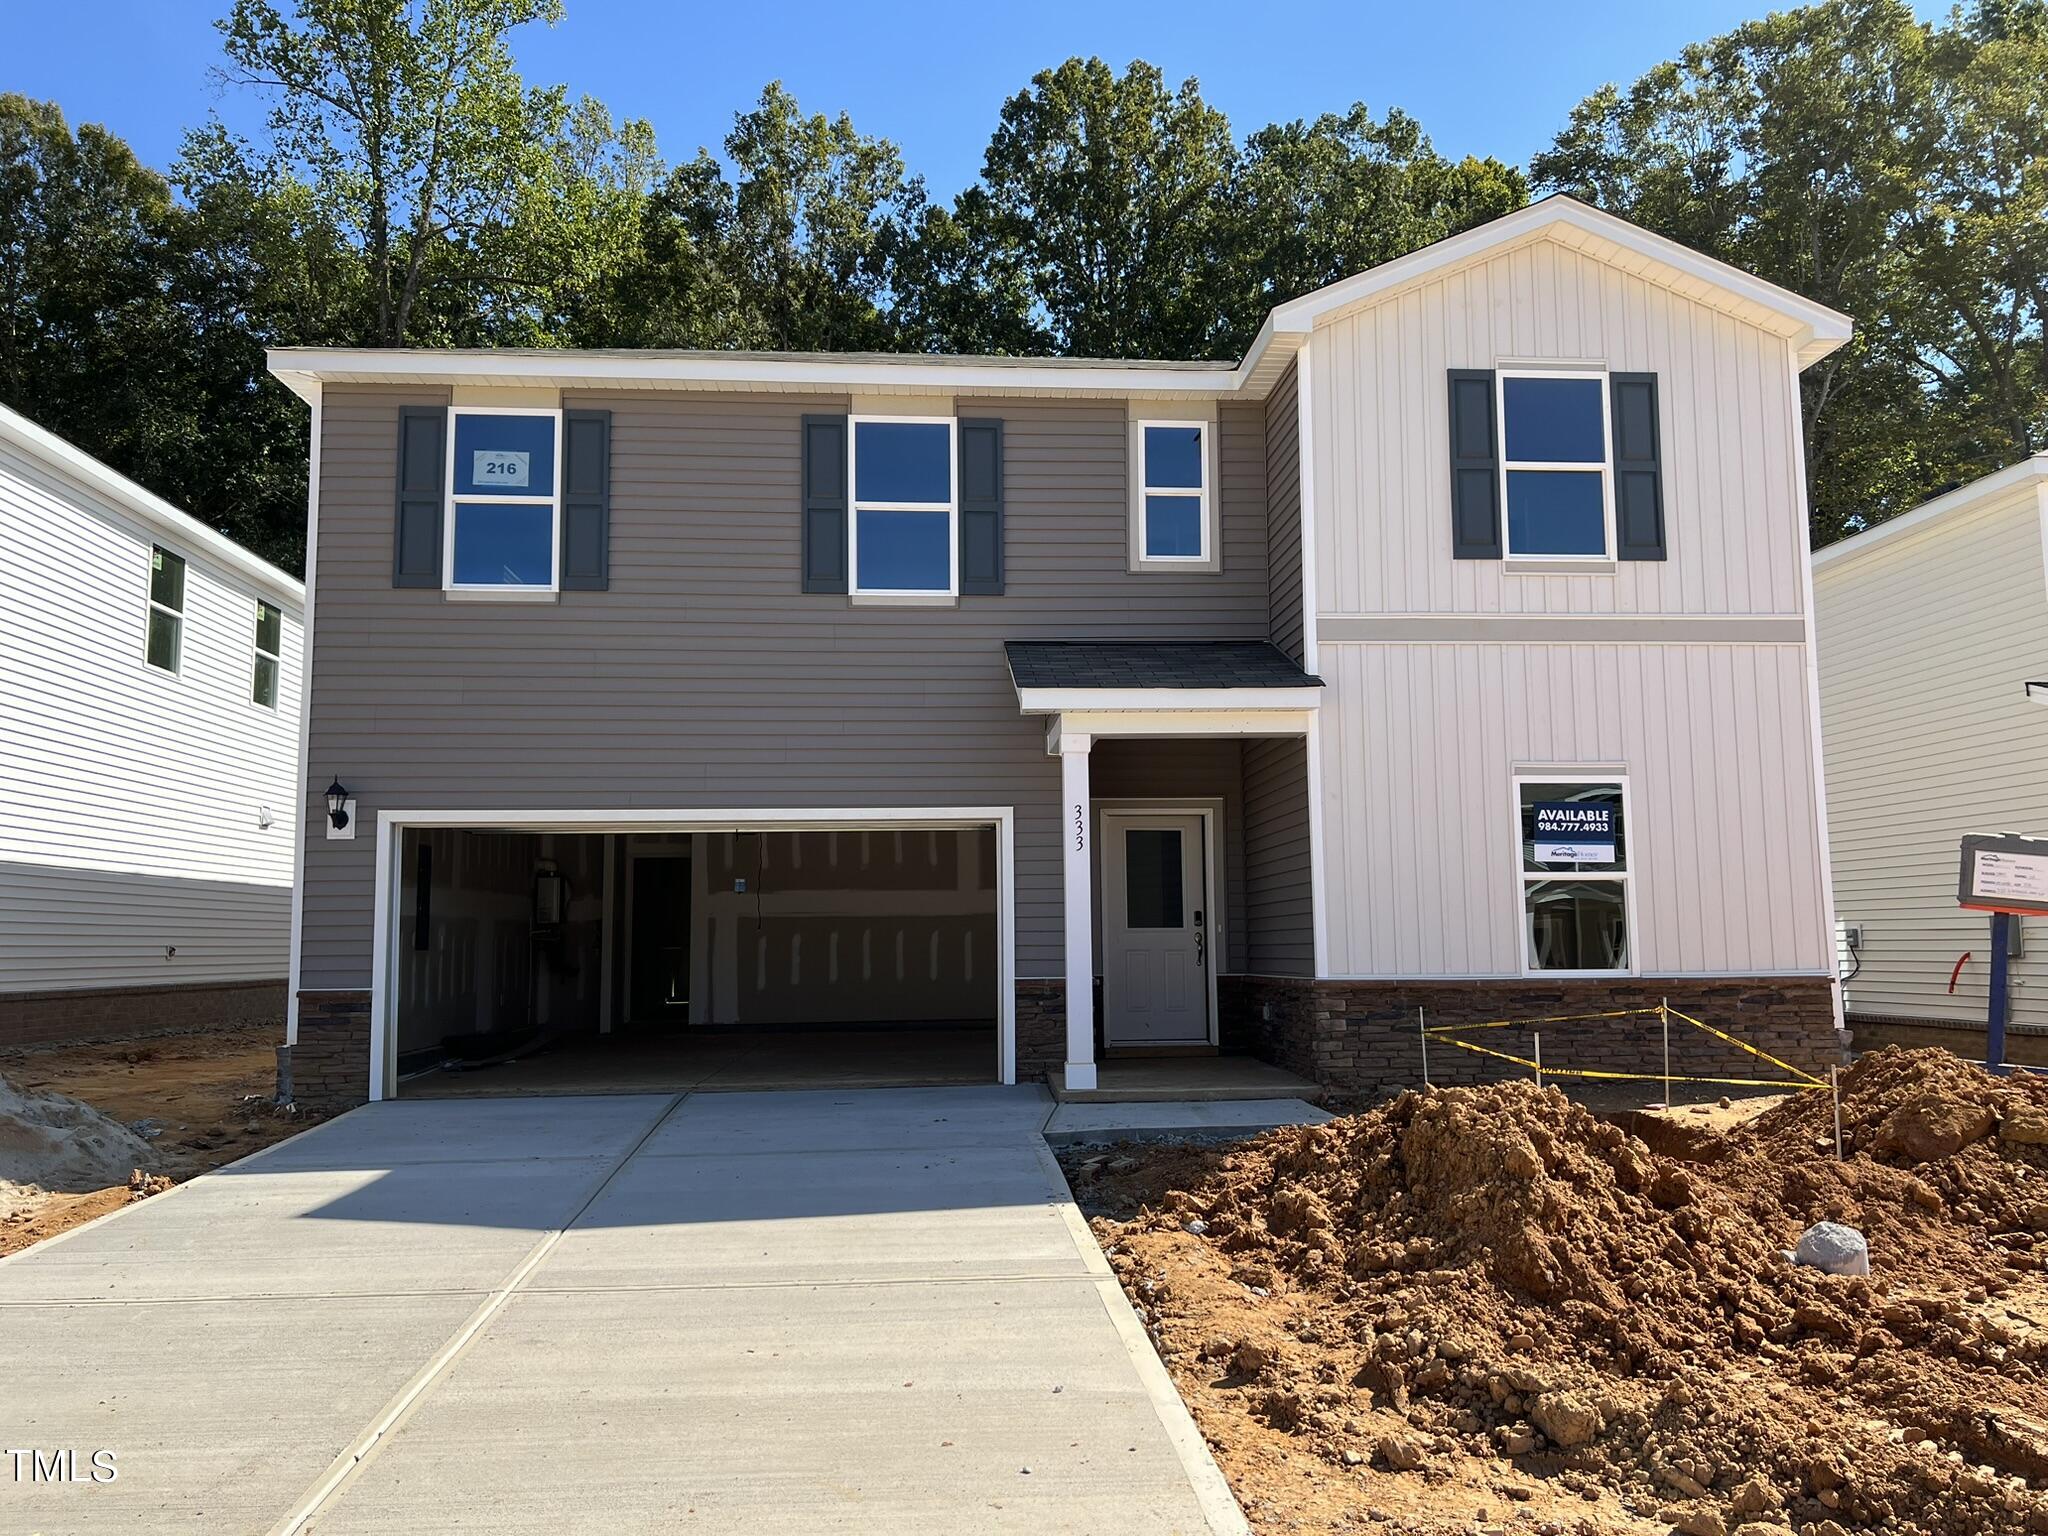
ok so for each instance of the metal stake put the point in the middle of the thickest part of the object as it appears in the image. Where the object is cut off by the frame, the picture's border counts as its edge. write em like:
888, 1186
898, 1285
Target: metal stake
1422, 1032
1835, 1089
1664, 1015
1536, 1038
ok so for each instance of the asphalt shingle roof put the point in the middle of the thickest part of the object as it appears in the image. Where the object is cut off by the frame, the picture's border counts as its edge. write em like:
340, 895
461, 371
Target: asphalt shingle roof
1154, 664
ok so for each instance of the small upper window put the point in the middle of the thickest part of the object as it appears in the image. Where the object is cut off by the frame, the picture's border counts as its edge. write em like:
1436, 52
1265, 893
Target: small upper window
1554, 460
1173, 501
269, 646
1574, 875
503, 527
903, 540
166, 609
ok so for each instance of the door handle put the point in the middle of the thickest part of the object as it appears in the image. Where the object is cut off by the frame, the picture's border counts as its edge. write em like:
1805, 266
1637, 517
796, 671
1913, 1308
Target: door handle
1201, 947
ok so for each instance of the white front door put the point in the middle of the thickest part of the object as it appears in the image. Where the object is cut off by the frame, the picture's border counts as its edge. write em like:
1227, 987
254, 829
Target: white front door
1155, 929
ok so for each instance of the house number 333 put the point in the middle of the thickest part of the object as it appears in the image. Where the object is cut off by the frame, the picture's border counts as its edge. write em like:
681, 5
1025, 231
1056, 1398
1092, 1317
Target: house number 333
1080, 830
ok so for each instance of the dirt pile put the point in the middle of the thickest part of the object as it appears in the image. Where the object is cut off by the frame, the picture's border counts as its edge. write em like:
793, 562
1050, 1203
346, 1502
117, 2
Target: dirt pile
1490, 1288
51, 1142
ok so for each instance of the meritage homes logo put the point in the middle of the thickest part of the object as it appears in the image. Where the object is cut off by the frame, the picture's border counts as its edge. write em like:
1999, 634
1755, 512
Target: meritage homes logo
64, 1465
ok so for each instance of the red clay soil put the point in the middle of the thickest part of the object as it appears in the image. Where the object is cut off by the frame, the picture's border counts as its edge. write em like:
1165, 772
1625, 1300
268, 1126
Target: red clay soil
1488, 1308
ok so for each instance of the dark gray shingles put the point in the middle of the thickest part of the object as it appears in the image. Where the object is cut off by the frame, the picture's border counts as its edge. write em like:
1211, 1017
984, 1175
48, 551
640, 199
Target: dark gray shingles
1154, 664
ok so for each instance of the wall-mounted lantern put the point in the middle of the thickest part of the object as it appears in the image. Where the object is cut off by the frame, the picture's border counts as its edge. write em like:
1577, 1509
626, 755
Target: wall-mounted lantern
340, 811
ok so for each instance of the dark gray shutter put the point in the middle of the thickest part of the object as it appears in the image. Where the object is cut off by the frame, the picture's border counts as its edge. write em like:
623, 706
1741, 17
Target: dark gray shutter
981, 509
586, 500
1638, 467
825, 503
416, 534
1475, 467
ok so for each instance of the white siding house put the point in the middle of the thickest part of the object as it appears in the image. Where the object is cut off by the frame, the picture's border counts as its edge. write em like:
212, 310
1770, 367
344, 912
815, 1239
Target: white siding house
150, 700
1931, 626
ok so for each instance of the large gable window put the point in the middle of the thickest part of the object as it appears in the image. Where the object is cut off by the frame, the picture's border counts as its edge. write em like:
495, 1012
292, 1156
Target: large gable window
503, 527
1174, 501
1554, 465
902, 540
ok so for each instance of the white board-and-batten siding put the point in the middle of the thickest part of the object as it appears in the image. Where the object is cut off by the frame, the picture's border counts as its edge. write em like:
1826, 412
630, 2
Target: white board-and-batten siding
1927, 641
131, 798
1426, 724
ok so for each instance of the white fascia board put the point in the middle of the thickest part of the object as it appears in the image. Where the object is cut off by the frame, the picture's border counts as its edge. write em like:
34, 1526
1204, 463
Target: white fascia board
300, 368
194, 537
1964, 497
1056, 701
1087, 723
1819, 330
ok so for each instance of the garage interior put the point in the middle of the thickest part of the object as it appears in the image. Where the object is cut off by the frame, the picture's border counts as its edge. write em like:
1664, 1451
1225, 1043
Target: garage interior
552, 962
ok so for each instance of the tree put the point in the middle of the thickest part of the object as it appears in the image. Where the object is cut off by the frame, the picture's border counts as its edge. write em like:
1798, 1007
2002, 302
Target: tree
410, 116
1888, 169
1315, 202
1103, 210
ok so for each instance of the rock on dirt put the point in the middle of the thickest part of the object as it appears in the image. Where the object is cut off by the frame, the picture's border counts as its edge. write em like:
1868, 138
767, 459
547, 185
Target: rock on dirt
1628, 1328
51, 1142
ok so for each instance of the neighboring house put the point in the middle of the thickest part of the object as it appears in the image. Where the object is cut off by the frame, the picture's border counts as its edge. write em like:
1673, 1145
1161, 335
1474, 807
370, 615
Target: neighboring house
1931, 626
149, 710
1450, 651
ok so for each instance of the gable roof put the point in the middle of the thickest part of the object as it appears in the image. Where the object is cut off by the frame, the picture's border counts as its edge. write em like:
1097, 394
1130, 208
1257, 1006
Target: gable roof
193, 538
1813, 329
2031, 471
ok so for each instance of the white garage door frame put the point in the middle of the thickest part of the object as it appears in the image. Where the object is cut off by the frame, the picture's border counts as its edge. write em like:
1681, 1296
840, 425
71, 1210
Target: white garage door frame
392, 825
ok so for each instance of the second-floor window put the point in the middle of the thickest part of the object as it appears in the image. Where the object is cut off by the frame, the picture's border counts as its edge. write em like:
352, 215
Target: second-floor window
269, 646
1554, 465
166, 609
903, 541
503, 527
1173, 497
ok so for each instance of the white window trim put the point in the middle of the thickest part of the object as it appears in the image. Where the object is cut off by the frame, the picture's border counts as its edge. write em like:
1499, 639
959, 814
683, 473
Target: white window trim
151, 605
1524, 878
1204, 496
258, 655
909, 596
495, 591
1605, 468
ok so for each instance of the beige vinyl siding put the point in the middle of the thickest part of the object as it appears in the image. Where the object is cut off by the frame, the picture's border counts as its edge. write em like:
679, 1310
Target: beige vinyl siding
1283, 536
131, 797
1279, 914
1729, 422
1926, 644
1421, 744
705, 679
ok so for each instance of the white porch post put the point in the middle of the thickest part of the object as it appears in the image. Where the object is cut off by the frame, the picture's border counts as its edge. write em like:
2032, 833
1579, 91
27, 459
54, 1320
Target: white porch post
1074, 835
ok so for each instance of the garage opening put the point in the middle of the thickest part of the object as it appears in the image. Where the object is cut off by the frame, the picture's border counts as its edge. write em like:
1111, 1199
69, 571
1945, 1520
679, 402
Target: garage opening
551, 962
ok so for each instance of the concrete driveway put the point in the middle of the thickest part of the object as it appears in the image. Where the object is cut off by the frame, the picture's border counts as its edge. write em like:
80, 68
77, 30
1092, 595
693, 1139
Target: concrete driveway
868, 1310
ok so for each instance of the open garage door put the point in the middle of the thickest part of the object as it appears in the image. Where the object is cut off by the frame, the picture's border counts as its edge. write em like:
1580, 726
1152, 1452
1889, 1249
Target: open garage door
549, 959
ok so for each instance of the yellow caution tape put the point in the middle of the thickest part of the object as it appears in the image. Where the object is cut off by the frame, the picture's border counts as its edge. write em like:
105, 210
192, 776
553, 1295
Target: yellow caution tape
1639, 1077
1562, 1018
1810, 1079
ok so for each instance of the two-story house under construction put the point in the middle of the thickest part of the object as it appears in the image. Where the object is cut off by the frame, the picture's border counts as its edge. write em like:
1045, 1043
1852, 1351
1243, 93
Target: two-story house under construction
743, 717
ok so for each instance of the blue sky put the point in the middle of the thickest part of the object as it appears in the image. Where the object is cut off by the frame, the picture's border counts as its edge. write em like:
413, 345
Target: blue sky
1485, 76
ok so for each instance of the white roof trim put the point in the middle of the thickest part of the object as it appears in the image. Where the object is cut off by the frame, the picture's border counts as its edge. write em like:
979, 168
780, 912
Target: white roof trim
1999, 482
1814, 329
1053, 701
1817, 329
192, 536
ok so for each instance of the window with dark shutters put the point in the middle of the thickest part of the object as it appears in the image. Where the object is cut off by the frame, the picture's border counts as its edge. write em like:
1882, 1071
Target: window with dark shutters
981, 508
824, 492
1475, 479
416, 532
1638, 467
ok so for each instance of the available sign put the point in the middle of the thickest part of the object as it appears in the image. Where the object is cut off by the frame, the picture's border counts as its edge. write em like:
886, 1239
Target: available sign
1574, 832
2004, 874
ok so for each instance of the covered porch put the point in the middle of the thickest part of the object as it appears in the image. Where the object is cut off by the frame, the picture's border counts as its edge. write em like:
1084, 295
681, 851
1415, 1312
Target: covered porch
1186, 772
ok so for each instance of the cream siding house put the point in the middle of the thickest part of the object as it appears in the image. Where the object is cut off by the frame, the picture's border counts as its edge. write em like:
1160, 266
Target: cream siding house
1450, 652
150, 679
1931, 627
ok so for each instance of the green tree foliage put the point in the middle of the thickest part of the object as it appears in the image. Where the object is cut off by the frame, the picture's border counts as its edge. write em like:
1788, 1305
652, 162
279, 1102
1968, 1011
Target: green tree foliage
1891, 170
